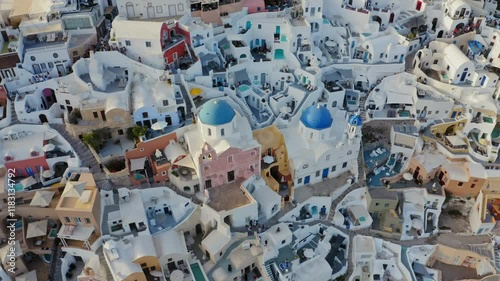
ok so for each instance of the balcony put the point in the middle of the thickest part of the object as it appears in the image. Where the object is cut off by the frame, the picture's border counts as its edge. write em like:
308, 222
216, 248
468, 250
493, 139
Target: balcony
174, 40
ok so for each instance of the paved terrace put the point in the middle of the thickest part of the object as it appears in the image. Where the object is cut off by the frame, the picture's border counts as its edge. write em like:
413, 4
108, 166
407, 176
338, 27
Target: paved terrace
219, 196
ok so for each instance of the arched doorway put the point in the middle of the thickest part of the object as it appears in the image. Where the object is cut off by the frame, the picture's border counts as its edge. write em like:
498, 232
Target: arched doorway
199, 230
434, 24
59, 168
391, 18
130, 10
440, 34
377, 19
43, 119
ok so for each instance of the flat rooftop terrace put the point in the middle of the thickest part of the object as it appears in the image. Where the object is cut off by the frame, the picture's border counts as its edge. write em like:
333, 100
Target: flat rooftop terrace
228, 196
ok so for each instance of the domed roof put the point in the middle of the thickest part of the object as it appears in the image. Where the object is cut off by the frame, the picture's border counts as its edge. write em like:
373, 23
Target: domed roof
355, 120
316, 117
216, 112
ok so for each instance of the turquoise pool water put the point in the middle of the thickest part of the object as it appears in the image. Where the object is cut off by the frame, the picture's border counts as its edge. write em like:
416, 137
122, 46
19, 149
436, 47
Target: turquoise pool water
244, 88
325, 21
198, 274
18, 187
279, 54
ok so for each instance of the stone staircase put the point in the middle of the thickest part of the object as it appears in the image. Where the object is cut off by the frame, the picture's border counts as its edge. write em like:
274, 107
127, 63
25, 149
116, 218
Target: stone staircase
187, 99
269, 272
404, 260
104, 264
13, 115
362, 110
86, 158
246, 111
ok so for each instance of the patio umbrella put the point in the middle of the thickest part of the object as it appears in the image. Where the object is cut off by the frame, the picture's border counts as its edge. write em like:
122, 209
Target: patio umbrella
268, 159
42, 198
49, 135
195, 92
27, 182
48, 173
408, 176
48, 147
74, 189
160, 125
37, 228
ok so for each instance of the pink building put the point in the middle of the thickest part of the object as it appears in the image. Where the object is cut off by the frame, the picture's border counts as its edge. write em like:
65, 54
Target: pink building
222, 146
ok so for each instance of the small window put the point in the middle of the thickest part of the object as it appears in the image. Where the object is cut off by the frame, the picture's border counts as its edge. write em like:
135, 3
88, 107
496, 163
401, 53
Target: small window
460, 183
55, 55
95, 114
144, 115
142, 149
148, 44
87, 220
127, 42
307, 10
376, 204
473, 185
435, 61
283, 242
222, 132
319, 9
209, 131
67, 219
165, 102
67, 102
429, 112
230, 159
328, 157
62, 107
386, 205
437, 111
344, 165
418, 111
334, 168
448, 67
220, 254
77, 219
164, 173
120, 132
259, 26
299, 181
395, 57
381, 55
317, 173
143, 265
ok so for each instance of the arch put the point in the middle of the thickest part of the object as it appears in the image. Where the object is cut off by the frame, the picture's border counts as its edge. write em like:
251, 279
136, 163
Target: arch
243, 56
440, 34
377, 19
43, 118
434, 24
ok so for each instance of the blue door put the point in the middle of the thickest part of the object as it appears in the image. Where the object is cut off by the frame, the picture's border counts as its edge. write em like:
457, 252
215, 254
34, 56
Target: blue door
249, 25
482, 81
307, 179
325, 173
463, 76
401, 59
453, 114
365, 56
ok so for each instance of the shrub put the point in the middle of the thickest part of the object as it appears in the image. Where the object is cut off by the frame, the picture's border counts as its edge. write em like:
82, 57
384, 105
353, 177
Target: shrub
139, 131
93, 140
74, 116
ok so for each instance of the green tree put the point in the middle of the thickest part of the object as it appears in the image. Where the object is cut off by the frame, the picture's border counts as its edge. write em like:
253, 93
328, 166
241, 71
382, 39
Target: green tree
93, 140
139, 131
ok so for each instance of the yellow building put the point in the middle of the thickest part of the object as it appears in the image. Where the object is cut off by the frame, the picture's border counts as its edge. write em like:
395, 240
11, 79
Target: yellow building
79, 210
274, 166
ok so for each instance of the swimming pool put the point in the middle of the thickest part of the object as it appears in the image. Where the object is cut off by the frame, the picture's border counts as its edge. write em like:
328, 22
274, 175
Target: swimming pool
243, 88
18, 187
197, 272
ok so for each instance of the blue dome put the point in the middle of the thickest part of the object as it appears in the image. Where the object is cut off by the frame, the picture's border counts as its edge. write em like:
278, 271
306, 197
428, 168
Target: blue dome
216, 112
316, 117
355, 120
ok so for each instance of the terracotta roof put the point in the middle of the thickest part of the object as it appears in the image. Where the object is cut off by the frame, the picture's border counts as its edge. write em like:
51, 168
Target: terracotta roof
9, 61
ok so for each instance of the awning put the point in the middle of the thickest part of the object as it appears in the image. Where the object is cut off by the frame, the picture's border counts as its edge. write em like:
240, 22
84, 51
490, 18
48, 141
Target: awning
27, 182
186, 162
137, 164
74, 189
395, 98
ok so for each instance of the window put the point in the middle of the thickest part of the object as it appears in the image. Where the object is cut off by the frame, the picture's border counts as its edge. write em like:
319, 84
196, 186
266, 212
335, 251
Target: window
473, 185
43, 66
448, 67
299, 181
334, 104
206, 168
95, 114
259, 26
120, 132
62, 107
386, 205
344, 165
435, 61
283, 242
87, 220
307, 10
144, 115
381, 55
429, 112
317, 173
159, 9
460, 183
376, 204
77, 219
165, 102
395, 57
418, 111
334, 168
319, 9
67, 102
210, 156
164, 173
67, 219
222, 132
437, 111
143, 265
209, 131
148, 44
51, 65
328, 157
127, 42
230, 158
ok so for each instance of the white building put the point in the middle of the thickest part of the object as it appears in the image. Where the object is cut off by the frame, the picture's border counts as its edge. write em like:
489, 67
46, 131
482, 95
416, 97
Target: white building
421, 210
152, 9
374, 257
320, 146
